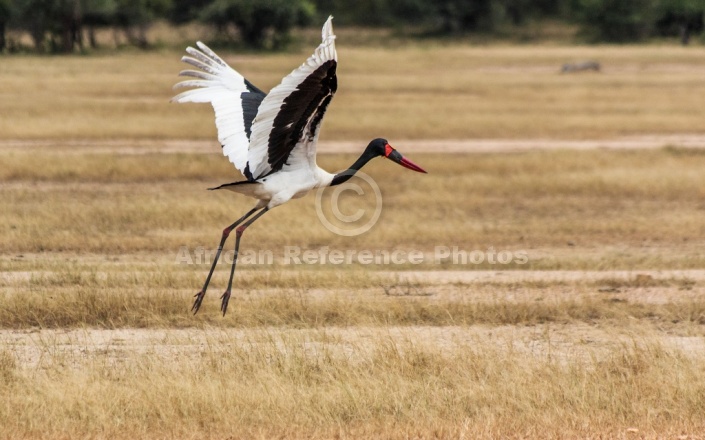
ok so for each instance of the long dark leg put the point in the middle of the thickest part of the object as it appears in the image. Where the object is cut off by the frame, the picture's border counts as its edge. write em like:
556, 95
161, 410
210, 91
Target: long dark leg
238, 235
226, 232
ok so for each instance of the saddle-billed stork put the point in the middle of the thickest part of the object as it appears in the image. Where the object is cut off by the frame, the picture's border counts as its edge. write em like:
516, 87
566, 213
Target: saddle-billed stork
271, 138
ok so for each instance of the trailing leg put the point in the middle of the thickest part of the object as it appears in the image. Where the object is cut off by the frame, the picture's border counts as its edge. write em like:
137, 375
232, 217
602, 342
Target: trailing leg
226, 232
238, 234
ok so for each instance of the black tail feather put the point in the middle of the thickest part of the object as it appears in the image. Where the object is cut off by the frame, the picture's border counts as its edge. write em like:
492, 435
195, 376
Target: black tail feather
242, 182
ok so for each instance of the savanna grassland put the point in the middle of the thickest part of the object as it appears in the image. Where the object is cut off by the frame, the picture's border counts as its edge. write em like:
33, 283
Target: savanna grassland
106, 226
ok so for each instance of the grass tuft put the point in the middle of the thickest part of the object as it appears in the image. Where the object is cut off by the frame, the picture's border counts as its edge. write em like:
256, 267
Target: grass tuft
383, 387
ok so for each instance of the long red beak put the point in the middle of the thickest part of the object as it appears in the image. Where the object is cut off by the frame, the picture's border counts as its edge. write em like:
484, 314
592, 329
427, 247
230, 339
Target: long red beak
406, 163
392, 154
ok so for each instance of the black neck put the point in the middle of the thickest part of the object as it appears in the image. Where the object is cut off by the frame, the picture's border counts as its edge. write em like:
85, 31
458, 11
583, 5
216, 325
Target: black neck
344, 176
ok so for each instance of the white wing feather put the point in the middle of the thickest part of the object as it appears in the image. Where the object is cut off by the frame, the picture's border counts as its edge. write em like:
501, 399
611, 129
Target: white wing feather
221, 86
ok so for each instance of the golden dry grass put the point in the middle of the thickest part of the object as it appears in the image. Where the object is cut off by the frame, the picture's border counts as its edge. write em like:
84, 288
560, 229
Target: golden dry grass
566, 209
387, 383
453, 91
123, 295
95, 336
90, 241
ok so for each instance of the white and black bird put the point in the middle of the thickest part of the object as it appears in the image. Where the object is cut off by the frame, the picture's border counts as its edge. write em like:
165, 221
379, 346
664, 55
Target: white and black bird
271, 138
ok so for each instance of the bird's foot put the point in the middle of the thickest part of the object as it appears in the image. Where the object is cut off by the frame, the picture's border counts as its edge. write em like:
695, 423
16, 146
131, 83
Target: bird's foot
197, 303
226, 298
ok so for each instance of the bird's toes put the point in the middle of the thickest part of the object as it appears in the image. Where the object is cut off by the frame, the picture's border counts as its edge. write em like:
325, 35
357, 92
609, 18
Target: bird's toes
197, 302
226, 299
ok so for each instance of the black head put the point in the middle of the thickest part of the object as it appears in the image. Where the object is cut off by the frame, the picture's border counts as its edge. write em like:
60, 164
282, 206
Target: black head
380, 147
377, 147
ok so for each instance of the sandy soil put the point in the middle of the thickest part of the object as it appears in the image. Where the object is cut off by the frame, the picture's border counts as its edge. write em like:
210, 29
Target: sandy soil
575, 340
515, 276
578, 339
562, 341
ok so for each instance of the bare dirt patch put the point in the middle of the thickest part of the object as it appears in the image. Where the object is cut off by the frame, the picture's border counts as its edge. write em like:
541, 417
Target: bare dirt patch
567, 341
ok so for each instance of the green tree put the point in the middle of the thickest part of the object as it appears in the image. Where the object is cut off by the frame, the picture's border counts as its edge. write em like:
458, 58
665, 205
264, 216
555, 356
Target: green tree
66, 25
405, 12
35, 17
184, 11
618, 21
54, 25
259, 23
364, 13
680, 18
5, 15
135, 16
443, 16
459, 16
98, 14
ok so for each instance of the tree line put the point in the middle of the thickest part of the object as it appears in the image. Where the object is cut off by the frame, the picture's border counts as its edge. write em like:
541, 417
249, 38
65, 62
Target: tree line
70, 25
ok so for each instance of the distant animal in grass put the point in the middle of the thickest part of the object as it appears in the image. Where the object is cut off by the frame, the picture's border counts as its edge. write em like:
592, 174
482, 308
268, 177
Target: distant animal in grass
581, 67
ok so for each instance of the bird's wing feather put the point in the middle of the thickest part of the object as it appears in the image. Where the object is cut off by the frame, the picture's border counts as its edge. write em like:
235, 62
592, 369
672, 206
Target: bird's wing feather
289, 118
234, 99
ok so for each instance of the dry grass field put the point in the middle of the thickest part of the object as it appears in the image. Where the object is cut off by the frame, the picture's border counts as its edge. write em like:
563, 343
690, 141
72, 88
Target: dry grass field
407, 92
106, 226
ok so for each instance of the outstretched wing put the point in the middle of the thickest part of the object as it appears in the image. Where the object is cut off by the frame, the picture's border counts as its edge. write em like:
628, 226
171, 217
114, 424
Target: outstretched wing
234, 99
289, 118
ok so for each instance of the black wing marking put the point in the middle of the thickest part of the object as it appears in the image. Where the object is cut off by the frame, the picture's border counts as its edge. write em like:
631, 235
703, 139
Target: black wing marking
251, 101
301, 113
